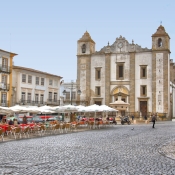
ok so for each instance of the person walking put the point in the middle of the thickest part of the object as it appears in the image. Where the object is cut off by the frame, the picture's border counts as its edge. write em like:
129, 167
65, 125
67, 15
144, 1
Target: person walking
153, 120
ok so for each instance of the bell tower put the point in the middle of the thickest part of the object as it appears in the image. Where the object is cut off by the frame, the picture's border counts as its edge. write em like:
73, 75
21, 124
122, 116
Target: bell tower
161, 71
85, 49
161, 40
85, 45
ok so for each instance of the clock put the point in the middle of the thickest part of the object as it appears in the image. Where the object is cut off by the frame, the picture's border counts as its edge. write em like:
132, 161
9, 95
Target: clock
120, 45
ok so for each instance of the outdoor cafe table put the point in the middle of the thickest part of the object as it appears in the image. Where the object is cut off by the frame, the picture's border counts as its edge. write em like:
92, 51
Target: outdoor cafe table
4, 127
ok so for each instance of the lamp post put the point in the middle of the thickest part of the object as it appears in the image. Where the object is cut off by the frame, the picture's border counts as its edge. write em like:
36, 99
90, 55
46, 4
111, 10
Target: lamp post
72, 86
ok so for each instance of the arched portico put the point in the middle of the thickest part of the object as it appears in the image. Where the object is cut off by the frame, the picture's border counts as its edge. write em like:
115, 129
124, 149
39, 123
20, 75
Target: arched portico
124, 92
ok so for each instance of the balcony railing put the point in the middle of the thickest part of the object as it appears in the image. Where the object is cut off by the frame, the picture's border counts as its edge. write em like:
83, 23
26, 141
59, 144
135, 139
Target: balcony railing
4, 86
4, 103
31, 103
5, 69
53, 102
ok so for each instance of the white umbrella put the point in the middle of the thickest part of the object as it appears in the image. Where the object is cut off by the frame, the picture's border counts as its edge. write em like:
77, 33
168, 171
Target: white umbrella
81, 108
5, 110
94, 108
107, 109
68, 108
18, 108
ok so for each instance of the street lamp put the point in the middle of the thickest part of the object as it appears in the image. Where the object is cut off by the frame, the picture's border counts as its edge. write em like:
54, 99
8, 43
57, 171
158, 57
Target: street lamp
71, 87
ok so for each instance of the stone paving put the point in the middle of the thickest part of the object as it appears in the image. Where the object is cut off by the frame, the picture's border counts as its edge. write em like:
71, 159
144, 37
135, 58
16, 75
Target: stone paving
117, 150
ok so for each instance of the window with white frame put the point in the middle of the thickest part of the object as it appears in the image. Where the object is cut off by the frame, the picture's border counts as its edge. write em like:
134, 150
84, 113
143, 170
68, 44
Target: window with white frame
4, 62
42, 81
24, 78
37, 81
23, 96
36, 97
50, 96
42, 98
29, 97
4, 79
68, 95
50, 82
30, 79
55, 96
4, 97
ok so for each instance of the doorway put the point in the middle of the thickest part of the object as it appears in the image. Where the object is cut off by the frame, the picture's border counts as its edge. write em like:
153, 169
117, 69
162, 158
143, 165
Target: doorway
143, 108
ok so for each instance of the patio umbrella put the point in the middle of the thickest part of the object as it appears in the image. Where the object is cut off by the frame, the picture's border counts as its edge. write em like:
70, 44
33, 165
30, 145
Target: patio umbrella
5, 110
68, 108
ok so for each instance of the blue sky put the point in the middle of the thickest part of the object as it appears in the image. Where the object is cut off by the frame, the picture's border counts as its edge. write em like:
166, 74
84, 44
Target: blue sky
44, 33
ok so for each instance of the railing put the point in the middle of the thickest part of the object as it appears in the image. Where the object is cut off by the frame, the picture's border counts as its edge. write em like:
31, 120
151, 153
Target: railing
5, 69
4, 103
53, 102
4, 86
32, 103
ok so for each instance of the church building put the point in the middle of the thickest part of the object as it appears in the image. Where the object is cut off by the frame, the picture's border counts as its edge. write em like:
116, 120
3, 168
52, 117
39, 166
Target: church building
145, 78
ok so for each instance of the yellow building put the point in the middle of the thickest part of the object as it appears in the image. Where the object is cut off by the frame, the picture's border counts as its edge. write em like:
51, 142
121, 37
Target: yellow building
6, 64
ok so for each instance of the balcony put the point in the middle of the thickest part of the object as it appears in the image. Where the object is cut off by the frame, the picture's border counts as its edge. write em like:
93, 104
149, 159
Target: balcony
31, 103
5, 69
4, 86
4, 103
53, 102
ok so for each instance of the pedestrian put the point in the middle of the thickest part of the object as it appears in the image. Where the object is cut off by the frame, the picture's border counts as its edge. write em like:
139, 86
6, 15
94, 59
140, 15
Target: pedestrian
153, 120
132, 117
145, 117
10, 122
24, 120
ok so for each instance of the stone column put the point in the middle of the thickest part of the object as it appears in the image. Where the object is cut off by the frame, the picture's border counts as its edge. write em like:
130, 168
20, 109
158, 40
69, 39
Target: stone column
154, 82
107, 78
132, 82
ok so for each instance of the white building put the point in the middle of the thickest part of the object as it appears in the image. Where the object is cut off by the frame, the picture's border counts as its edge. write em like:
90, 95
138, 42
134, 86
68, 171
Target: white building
33, 87
70, 94
143, 76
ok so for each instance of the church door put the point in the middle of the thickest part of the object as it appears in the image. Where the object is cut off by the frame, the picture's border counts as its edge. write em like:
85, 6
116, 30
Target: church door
143, 108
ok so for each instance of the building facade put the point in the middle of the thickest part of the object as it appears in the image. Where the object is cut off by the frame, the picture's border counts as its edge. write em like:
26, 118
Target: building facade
6, 62
144, 77
70, 94
35, 88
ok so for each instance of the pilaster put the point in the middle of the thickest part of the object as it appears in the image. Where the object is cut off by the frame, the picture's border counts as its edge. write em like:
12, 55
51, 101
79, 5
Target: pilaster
153, 82
107, 78
132, 82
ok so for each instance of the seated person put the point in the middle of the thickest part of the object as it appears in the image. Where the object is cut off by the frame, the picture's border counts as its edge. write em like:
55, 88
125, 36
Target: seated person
15, 122
10, 122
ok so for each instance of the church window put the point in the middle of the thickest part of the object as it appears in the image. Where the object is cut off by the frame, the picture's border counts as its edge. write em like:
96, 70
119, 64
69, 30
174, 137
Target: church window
23, 78
143, 72
97, 73
97, 89
143, 90
159, 42
83, 48
120, 71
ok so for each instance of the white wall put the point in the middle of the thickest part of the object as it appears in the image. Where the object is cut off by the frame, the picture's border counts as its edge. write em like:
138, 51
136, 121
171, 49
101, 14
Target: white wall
98, 61
33, 88
143, 59
159, 85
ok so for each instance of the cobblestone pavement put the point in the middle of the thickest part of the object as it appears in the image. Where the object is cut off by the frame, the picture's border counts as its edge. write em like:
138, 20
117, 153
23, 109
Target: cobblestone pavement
117, 150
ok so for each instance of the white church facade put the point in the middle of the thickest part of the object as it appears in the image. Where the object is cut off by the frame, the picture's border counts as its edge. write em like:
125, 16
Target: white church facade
144, 77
